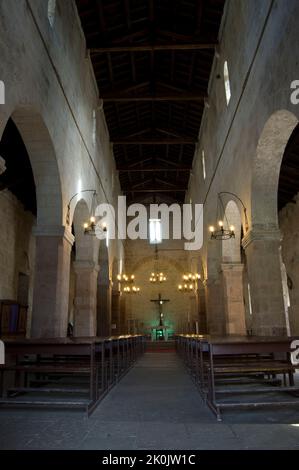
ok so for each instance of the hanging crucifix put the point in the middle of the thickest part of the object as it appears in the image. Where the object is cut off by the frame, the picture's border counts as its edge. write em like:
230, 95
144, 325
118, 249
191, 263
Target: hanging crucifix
160, 303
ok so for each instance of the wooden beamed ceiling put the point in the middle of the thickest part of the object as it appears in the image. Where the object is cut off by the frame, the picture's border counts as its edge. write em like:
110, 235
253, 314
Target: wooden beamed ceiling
152, 61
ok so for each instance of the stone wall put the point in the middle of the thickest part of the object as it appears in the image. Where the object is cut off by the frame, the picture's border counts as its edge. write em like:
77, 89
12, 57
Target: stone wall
17, 248
289, 226
244, 142
181, 312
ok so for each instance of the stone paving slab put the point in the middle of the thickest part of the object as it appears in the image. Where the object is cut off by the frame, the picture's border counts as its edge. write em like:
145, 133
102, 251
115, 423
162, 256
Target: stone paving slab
155, 406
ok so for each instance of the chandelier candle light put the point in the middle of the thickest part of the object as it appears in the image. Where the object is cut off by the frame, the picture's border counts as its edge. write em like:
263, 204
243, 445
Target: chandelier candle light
228, 231
127, 280
189, 282
157, 277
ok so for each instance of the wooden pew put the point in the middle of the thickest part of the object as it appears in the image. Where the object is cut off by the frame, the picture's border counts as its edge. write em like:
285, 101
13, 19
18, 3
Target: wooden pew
52, 368
239, 358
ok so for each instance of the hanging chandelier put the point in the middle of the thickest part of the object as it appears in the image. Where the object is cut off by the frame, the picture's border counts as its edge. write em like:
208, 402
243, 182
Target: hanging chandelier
224, 230
157, 277
127, 282
222, 233
189, 283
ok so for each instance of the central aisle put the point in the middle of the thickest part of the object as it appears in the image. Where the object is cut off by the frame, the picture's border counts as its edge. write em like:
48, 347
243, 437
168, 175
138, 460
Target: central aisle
157, 406
158, 388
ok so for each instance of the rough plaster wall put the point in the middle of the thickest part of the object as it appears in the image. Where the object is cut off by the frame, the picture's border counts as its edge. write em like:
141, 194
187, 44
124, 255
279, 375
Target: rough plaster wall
17, 247
289, 226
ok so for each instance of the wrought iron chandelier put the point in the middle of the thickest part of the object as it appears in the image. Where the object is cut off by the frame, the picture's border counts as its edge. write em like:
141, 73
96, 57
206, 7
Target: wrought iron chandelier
225, 230
189, 282
157, 276
127, 281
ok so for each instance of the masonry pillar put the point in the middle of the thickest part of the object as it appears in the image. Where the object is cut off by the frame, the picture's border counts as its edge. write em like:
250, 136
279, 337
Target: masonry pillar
123, 315
233, 298
104, 294
51, 286
115, 312
214, 303
264, 276
85, 298
202, 316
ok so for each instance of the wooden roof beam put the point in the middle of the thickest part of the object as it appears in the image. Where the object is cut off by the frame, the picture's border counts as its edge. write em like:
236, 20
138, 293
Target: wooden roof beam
186, 96
154, 169
155, 47
155, 141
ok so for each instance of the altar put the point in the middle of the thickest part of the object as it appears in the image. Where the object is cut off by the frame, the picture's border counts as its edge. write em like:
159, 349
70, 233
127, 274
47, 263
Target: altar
159, 333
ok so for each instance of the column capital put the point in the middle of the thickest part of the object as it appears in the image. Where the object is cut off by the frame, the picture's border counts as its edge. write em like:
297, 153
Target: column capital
2, 165
85, 265
239, 267
261, 234
54, 231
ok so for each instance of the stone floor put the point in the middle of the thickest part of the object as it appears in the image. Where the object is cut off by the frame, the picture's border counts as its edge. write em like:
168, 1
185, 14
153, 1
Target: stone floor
155, 406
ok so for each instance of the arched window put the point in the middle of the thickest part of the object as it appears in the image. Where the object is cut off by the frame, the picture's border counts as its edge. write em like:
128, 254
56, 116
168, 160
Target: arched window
203, 161
51, 11
94, 127
226, 83
2, 92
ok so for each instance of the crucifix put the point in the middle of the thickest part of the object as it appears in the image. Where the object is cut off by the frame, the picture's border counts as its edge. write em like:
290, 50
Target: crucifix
160, 303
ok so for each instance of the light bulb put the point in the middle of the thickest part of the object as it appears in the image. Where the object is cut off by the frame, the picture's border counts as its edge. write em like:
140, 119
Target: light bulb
211, 229
191, 286
119, 277
220, 223
132, 276
92, 219
232, 228
85, 225
180, 287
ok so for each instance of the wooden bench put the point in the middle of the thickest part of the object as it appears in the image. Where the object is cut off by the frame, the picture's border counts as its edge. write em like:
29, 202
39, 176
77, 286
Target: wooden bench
238, 358
60, 368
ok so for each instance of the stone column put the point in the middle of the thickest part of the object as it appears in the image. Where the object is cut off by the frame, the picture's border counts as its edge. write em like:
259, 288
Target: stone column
214, 304
123, 315
104, 292
202, 315
115, 312
264, 276
233, 298
85, 298
51, 286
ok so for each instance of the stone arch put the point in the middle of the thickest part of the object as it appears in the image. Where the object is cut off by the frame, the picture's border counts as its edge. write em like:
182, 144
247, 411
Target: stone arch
266, 168
41, 152
52, 244
232, 273
141, 312
231, 249
83, 276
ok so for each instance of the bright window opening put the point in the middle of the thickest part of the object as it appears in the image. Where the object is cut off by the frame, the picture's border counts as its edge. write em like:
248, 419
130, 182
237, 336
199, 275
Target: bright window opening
155, 231
226, 83
94, 127
51, 11
203, 161
249, 300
